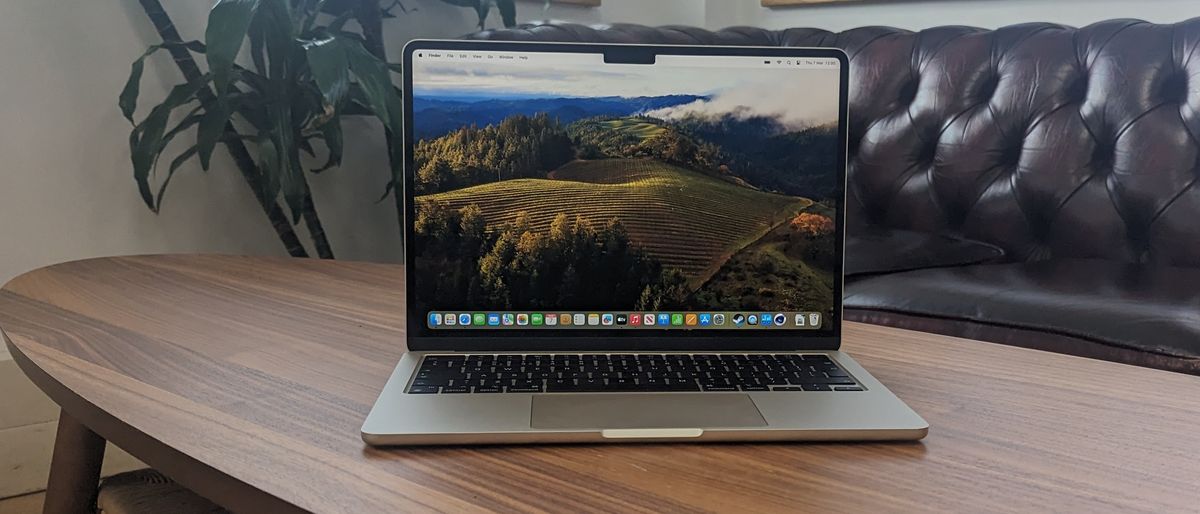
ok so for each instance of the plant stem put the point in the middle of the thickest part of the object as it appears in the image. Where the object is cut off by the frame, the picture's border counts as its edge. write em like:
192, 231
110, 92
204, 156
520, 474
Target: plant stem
241, 156
315, 229
370, 18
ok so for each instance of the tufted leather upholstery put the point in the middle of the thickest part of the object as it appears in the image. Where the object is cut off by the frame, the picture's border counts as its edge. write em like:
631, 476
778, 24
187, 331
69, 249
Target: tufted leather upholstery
1051, 142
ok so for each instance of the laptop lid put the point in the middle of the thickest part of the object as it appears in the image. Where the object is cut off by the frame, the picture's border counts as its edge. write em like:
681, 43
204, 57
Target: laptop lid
576, 197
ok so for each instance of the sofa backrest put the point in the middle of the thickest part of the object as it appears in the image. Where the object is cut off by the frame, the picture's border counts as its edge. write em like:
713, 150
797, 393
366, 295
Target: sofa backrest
1045, 140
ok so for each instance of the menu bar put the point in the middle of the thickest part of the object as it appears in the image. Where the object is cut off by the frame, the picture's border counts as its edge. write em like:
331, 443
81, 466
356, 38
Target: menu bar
551, 58
623, 320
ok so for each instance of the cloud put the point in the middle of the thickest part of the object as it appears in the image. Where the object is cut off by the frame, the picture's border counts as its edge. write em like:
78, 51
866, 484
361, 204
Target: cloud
794, 105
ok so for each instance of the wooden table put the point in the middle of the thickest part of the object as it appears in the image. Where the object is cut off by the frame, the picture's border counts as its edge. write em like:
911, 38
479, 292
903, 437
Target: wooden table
246, 379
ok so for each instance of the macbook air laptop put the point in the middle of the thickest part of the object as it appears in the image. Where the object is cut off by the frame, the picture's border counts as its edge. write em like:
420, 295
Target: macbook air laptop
614, 243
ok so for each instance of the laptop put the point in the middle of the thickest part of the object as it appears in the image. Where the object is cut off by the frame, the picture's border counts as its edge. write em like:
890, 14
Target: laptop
618, 243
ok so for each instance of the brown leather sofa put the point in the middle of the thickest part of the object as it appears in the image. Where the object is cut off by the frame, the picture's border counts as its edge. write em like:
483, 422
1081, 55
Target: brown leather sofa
1074, 151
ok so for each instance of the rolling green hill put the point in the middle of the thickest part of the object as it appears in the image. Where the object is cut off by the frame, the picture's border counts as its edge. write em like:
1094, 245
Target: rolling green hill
685, 219
627, 126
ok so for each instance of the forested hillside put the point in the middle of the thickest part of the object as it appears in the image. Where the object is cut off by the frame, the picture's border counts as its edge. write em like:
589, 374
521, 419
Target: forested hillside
518, 147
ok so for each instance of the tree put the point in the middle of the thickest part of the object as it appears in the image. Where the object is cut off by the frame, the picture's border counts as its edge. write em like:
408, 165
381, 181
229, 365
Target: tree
812, 225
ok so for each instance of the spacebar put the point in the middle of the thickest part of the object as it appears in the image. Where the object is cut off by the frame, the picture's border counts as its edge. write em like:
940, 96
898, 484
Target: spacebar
563, 386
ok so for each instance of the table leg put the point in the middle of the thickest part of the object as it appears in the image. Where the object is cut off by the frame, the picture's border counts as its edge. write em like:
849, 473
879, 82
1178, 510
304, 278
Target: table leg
74, 469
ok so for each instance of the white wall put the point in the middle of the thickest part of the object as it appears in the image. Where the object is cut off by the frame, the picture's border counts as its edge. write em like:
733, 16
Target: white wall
928, 13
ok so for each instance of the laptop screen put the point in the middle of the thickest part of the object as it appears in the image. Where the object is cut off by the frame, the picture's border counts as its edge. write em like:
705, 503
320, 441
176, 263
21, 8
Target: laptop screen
556, 192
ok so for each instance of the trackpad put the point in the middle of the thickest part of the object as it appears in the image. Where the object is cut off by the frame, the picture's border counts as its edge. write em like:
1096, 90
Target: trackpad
601, 411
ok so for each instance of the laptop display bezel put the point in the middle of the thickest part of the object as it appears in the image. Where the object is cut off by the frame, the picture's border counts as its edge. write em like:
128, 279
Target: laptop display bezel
422, 338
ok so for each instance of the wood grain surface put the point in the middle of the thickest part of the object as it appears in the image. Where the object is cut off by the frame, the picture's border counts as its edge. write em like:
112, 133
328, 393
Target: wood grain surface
247, 379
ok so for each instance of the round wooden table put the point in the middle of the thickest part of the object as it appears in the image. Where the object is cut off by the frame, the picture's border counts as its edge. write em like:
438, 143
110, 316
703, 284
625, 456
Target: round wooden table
247, 379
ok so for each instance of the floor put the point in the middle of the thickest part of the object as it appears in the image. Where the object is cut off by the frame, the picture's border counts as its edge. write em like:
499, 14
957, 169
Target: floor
27, 504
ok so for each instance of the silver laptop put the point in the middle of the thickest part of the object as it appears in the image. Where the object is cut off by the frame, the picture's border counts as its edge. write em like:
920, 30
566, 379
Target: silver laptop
613, 243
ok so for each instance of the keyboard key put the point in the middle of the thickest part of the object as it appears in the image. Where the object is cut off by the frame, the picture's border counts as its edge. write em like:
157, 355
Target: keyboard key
423, 390
455, 389
527, 388
845, 388
816, 387
675, 384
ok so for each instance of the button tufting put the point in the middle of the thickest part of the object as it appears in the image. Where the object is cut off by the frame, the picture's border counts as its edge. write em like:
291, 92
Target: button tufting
1075, 89
1103, 157
987, 87
1174, 88
1010, 153
927, 152
908, 92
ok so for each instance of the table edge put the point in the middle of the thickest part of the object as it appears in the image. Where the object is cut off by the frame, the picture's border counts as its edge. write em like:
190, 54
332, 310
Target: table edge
203, 479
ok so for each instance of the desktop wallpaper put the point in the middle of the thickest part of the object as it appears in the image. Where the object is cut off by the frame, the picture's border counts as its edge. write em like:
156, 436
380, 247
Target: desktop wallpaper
624, 187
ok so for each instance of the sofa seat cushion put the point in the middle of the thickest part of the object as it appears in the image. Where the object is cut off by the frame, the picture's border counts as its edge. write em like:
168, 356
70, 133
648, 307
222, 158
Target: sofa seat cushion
1145, 308
873, 251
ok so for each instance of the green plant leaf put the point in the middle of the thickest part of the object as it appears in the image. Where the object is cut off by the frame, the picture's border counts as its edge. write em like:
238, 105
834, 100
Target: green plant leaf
228, 22
375, 81
212, 125
279, 38
307, 147
148, 139
252, 108
129, 94
382, 97
175, 164
286, 175
340, 21
332, 133
253, 80
330, 67
508, 12
143, 143
295, 187
187, 122
258, 50
311, 19
268, 164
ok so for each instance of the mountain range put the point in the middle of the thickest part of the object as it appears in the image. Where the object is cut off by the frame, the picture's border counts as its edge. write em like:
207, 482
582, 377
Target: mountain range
438, 115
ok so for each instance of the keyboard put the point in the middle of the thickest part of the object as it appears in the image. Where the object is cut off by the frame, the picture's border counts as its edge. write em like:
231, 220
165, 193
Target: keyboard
600, 373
